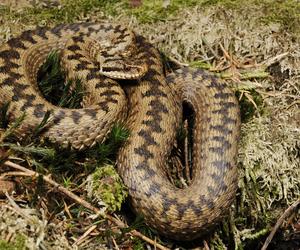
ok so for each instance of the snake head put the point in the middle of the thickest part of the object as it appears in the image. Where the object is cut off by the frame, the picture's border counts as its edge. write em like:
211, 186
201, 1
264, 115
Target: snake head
122, 66
118, 55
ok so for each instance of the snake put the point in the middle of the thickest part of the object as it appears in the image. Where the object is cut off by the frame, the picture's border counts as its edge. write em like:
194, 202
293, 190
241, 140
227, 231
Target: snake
105, 57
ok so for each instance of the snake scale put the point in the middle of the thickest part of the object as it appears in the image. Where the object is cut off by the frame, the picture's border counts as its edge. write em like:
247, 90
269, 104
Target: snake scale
101, 54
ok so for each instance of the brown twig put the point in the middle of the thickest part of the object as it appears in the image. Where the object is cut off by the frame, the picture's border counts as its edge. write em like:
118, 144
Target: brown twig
82, 237
177, 62
84, 203
55, 185
286, 213
206, 246
229, 57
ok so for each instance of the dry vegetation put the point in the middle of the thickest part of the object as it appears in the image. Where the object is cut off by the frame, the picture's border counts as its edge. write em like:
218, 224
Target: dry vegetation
254, 46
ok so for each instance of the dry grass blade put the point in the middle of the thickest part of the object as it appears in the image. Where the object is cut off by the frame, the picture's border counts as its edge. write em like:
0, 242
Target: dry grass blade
82, 237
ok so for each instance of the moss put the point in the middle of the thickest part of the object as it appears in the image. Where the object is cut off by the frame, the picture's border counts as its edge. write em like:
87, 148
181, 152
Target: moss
66, 12
106, 185
158, 10
286, 13
248, 108
17, 244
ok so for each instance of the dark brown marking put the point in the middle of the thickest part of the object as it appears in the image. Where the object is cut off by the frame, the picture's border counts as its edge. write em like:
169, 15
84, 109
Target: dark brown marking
91, 30
82, 65
8, 66
148, 173
222, 165
10, 54
206, 201
196, 209
154, 188
57, 30
75, 26
212, 191
73, 47
154, 92
222, 129
29, 101
76, 116
16, 43
39, 111
18, 90
15, 98
74, 57
146, 135
225, 143
104, 106
181, 208
105, 82
151, 73
59, 116
158, 106
215, 84
217, 150
195, 74
27, 36
221, 95
154, 125
111, 100
107, 27
11, 80
144, 152
219, 138
78, 38
91, 112
228, 105
122, 36
109, 93
219, 180
41, 32
227, 120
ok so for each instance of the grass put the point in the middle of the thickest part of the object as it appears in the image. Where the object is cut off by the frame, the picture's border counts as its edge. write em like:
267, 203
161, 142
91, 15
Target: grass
67, 11
283, 12
18, 244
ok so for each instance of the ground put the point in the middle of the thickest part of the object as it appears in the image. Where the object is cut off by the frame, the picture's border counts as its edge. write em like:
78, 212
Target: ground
253, 45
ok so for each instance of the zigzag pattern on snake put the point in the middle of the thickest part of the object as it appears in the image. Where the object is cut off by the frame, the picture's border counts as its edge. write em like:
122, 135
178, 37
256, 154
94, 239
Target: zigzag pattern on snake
101, 54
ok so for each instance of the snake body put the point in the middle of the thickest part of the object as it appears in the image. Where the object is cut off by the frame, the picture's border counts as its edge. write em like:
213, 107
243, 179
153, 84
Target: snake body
101, 54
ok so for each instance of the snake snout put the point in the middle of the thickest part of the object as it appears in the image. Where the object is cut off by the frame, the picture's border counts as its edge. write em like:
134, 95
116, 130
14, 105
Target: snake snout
119, 68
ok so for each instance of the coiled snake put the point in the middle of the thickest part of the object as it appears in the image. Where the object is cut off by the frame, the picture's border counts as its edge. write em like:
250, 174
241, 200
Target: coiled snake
101, 54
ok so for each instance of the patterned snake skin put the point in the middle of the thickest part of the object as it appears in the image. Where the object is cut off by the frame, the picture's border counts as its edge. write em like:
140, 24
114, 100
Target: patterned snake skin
101, 54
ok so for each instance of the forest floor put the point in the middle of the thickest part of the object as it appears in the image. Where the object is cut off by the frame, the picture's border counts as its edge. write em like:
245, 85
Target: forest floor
253, 45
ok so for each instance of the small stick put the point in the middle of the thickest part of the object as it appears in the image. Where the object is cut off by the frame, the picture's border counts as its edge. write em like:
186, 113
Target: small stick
14, 173
177, 62
275, 59
230, 58
286, 213
115, 243
186, 152
55, 185
84, 203
82, 237
67, 210
206, 247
